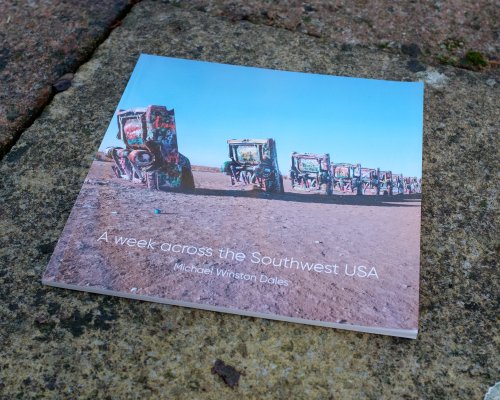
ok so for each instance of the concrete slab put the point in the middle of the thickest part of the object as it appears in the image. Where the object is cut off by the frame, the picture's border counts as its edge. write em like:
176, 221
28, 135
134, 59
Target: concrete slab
39, 43
439, 32
68, 344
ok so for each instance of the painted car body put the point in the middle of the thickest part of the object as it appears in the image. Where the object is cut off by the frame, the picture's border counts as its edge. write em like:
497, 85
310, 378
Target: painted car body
346, 178
311, 172
254, 162
151, 154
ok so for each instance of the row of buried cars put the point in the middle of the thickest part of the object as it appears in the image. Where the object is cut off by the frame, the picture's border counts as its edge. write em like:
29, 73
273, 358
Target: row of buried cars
150, 156
254, 161
316, 172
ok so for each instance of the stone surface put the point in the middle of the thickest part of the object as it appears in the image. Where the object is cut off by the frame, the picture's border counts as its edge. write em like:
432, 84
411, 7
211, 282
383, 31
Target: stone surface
39, 42
442, 32
58, 343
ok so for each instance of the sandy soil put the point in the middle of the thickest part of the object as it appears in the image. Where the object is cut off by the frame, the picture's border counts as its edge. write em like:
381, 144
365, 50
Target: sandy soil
380, 233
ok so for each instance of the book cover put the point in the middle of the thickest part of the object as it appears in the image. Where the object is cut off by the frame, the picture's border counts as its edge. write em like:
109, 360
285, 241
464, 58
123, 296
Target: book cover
276, 194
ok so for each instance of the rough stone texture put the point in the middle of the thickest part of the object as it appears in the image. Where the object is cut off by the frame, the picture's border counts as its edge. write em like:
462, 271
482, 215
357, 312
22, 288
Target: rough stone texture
39, 42
441, 31
59, 343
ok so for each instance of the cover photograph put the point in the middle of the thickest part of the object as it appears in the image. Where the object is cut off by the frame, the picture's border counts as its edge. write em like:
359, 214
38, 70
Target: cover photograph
274, 194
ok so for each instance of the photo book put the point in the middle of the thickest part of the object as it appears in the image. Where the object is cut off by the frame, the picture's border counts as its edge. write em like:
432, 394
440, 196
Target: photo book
274, 194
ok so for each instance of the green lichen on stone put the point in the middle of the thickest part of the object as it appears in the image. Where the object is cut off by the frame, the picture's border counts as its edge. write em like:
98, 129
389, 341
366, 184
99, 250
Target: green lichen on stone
475, 59
446, 60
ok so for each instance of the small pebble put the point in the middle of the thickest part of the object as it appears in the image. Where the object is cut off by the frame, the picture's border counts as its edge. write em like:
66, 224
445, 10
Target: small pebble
63, 83
228, 373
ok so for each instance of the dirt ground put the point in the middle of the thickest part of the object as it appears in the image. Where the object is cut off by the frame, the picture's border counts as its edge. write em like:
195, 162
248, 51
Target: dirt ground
380, 233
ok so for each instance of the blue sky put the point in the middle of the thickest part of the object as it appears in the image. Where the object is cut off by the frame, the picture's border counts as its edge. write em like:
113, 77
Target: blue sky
376, 123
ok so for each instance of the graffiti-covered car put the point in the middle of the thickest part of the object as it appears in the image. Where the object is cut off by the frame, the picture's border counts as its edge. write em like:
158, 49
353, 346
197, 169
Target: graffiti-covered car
412, 185
385, 182
254, 162
397, 184
150, 154
311, 172
346, 178
418, 185
369, 181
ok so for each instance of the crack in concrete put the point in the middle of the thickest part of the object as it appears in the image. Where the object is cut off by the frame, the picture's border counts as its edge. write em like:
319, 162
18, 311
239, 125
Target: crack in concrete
126, 11
46, 102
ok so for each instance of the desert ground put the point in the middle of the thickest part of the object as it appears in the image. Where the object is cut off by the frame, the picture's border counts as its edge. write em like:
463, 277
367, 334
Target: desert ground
380, 233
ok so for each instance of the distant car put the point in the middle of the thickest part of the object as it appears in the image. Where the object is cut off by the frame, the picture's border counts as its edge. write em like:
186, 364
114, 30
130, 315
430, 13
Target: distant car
385, 182
311, 172
412, 185
418, 185
397, 184
370, 181
150, 155
375, 182
254, 162
346, 178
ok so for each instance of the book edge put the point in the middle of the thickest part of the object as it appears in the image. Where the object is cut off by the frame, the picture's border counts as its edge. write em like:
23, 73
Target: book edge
404, 333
